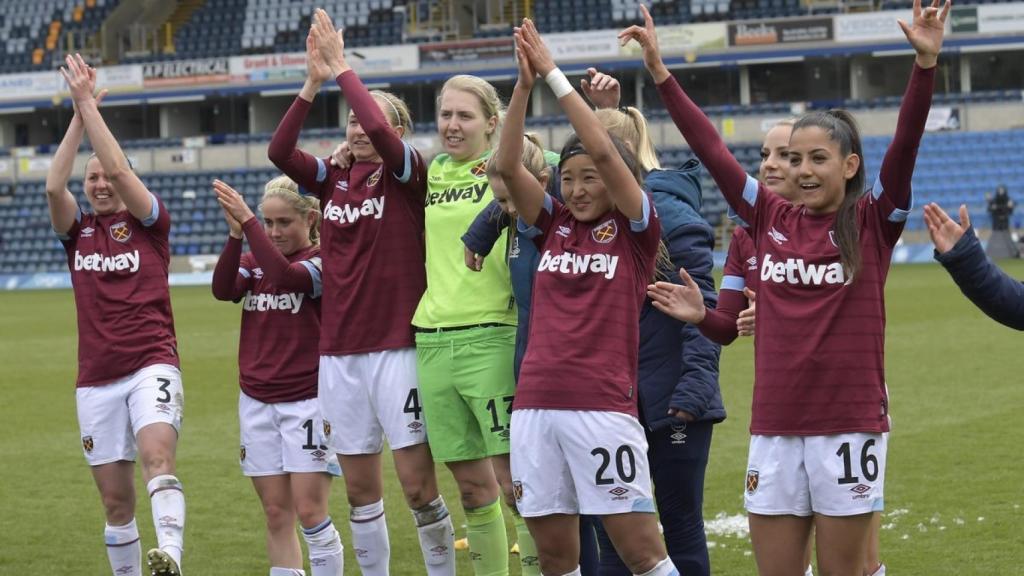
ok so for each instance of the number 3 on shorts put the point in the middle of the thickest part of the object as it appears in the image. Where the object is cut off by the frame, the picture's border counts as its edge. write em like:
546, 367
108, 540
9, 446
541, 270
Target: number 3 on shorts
868, 463
165, 393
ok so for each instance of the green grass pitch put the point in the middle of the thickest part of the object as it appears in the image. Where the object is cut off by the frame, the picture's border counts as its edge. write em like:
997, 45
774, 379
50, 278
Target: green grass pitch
953, 495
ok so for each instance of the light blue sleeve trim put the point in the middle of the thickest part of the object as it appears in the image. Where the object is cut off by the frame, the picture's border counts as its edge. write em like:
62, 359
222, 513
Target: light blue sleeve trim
244, 272
407, 173
898, 214
321, 170
732, 215
645, 216
736, 283
643, 505
876, 188
78, 218
314, 273
154, 214
532, 231
750, 190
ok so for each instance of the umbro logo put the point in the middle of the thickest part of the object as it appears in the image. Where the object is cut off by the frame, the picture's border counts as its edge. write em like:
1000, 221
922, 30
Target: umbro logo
752, 263
619, 493
777, 236
861, 488
342, 185
563, 231
87, 232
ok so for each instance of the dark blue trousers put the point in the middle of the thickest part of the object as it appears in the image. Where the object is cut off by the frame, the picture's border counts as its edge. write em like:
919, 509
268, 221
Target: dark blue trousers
678, 456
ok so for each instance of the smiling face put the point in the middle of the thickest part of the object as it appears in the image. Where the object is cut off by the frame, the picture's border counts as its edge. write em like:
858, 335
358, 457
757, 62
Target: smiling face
359, 143
583, 190
286, 227
820, 169
98, 190
462, 125
774, 170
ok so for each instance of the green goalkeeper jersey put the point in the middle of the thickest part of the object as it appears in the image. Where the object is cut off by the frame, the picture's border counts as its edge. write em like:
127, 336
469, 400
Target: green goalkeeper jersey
456, 295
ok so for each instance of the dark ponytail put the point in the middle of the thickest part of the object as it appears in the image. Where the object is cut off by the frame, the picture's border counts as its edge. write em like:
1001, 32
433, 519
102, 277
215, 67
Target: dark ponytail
842, 128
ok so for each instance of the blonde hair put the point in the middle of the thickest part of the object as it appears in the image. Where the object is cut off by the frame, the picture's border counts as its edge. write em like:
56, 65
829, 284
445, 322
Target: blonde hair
398, 111
287, 190
630, 126
533, 157
490, 102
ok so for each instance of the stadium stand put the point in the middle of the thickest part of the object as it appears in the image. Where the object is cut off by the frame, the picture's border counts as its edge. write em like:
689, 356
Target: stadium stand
33, 30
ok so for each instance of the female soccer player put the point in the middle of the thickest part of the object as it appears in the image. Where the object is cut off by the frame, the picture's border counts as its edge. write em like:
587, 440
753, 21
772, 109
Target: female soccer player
679, 397
577, 445
466, 326
820, 407
279, 285
372, 251
129, 393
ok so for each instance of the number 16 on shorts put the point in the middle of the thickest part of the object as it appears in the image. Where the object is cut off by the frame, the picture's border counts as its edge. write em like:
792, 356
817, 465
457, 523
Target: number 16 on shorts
835, 475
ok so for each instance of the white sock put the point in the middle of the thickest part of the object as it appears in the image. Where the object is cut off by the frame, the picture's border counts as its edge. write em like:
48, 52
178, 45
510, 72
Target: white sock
168, 502
326, 554
575, 572
809, 571
437, 538
123, 549
663, 568
880, 571
287, 572
370, 539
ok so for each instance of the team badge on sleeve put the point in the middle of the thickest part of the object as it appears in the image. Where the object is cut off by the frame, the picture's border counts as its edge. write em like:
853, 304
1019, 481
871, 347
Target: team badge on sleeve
120, 231
517, 490
753, 478
87, 444
241, 453
327, 430
605, 233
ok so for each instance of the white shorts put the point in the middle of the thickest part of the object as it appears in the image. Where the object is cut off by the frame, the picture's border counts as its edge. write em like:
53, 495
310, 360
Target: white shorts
579, 462
282, 437
110, 416
365, 397
835, 475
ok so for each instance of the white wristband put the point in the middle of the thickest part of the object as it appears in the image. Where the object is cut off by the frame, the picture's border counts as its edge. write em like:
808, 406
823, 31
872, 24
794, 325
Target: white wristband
559, 83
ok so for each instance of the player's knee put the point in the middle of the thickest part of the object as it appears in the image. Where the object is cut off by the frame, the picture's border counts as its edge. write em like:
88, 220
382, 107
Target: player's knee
310, 512
279, 517
417, 496
157, 461
642, 560
119, 509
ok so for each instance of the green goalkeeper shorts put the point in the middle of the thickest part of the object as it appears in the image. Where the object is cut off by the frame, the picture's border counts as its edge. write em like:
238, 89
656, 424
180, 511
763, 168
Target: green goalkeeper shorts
467, 385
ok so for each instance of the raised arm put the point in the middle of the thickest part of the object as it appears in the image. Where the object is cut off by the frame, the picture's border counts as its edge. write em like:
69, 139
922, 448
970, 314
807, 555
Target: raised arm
306, 169
137, 199
63, 206
395, 154
925, 34
524, 188
622, 186
695, 127
277, 270
229, 282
